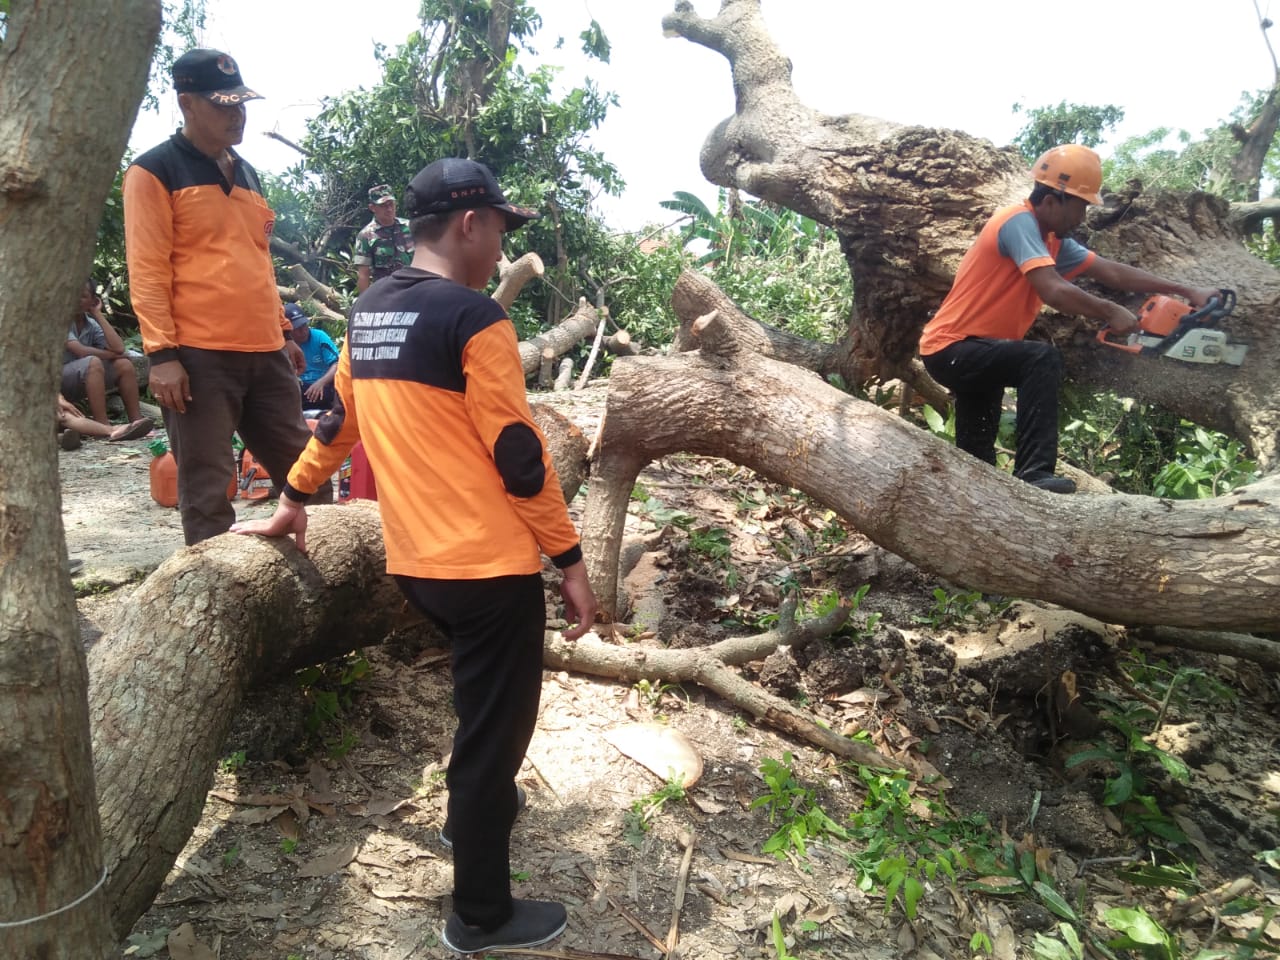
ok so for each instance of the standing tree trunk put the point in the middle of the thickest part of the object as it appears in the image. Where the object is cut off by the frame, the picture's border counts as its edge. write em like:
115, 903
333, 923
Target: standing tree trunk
66, 118
907, 202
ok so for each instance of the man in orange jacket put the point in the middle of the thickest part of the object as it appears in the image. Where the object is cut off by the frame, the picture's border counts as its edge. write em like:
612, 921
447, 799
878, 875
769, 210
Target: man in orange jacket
1023, 259
197, 233
430, 380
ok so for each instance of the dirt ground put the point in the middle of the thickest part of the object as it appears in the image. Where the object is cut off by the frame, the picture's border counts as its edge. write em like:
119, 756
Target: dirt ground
324, 843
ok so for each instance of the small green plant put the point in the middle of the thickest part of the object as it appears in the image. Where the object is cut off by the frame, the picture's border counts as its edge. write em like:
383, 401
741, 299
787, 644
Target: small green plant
980, 943
232, 762
1068, 948
330, 690
739, 723
640, 816
1127, 788
950, 608
231, 856
794, 807
1207, 464
288, 845
652, 693
520, 876
903, 840
779, 939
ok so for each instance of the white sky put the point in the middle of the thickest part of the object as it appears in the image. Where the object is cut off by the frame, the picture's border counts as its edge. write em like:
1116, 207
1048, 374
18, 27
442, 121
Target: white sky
1176, 63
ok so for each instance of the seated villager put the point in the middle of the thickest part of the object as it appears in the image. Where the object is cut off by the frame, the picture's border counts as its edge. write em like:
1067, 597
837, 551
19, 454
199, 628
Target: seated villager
94, 362
322, 360
73, 425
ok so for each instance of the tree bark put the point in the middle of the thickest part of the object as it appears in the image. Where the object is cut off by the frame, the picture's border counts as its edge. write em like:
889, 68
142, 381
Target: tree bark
561, 338
907, 201
177, 652
57, 159
1134, 560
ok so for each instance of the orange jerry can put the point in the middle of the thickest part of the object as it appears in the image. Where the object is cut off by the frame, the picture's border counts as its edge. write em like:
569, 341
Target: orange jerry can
164, 480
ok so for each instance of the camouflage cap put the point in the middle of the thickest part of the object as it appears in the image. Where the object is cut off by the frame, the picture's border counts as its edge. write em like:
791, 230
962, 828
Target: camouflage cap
381, 194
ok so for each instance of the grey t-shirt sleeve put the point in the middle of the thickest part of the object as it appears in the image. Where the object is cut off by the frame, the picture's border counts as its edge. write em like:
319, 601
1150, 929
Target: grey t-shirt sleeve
1019, 239
1071, 256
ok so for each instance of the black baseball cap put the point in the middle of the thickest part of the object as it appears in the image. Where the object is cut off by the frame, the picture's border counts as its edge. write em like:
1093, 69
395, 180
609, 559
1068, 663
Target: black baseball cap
456, 183
212, 74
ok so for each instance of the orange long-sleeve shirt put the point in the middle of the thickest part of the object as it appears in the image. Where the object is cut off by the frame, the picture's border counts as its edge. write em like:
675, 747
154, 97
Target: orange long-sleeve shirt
199, 257
430, 380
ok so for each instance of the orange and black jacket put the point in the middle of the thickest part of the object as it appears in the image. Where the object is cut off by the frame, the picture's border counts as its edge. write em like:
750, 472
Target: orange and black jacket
200, 271
430, 381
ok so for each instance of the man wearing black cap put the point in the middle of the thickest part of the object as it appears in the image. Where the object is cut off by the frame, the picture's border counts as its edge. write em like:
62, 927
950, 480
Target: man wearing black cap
197, 234
385, 244
430, 380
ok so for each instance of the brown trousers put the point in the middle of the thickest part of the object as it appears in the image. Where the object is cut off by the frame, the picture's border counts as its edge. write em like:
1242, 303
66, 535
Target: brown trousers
253, 394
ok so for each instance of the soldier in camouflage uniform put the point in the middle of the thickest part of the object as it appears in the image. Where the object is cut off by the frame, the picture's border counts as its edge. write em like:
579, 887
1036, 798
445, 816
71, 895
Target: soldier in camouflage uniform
385, 244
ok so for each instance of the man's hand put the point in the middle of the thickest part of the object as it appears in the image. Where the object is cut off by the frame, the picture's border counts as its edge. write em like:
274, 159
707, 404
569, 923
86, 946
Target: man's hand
294, 352
1119, 319
170, 386
314, 392
1202, 295
580, 605
290, 517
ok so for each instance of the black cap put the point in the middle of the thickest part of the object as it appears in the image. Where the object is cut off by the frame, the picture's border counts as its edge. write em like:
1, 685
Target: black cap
455, 183
212, 74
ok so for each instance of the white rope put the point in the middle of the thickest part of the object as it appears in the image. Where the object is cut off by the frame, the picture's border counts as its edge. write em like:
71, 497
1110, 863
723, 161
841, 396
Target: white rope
53, 913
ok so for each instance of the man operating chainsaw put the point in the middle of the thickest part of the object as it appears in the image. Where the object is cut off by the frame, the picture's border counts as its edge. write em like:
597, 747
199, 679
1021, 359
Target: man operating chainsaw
1024, 258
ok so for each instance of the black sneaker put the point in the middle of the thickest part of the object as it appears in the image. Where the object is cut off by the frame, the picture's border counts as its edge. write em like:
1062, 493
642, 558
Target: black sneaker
446, 835
1047, 481
532, 922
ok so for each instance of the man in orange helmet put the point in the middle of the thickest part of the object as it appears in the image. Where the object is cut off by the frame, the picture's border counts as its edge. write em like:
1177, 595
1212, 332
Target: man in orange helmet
1023, 259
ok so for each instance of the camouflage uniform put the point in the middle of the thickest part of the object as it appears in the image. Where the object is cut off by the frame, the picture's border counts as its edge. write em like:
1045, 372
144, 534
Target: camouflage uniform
383, 249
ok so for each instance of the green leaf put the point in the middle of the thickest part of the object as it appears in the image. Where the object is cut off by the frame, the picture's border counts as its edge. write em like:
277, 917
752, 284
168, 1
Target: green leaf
1054, 901
1119, 790
912, 891
1137, 925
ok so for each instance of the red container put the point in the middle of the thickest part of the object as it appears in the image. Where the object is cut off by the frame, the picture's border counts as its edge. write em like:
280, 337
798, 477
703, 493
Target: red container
358, 482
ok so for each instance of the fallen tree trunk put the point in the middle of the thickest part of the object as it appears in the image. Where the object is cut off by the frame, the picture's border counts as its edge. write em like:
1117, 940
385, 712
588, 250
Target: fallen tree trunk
211, 621
560, 339
236, 612
1134, 560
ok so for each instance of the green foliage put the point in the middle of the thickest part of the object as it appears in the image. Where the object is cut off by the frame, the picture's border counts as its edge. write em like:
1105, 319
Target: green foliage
1068, 948
794, 807
779, 940
1048, 127
288, 845
330, 690
1142, 449
232, 762
1127, 787
445, 92
901, 840
956, 609
778, 266
1207, 464
638, 819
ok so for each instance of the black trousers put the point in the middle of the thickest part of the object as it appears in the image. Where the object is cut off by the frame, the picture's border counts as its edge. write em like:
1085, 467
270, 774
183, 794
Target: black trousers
255, 394
496, 629
977, 371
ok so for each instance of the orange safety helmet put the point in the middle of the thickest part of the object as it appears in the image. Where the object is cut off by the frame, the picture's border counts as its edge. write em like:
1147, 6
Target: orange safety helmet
1072, 169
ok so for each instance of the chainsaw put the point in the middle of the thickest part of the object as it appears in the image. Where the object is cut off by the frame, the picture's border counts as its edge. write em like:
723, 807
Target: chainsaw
1170, 328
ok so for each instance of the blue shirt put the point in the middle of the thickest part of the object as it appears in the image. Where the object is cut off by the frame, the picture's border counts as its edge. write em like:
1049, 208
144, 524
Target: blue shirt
321, 354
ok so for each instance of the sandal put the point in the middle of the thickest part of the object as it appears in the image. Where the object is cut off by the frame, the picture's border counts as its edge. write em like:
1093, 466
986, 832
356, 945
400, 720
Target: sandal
133, 431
